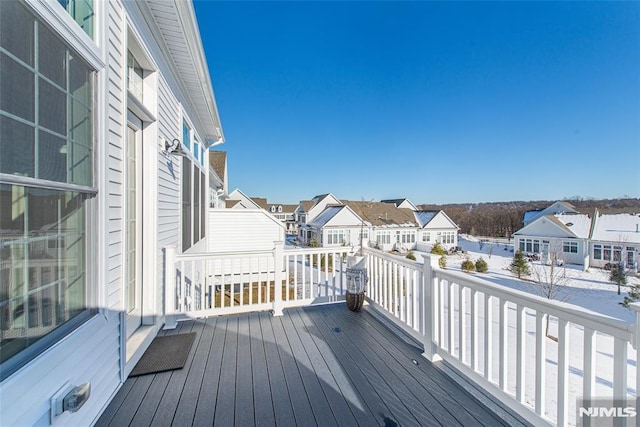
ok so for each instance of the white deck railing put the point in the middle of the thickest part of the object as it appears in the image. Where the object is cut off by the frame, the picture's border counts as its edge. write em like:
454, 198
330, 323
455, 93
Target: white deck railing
535, 355
207, 284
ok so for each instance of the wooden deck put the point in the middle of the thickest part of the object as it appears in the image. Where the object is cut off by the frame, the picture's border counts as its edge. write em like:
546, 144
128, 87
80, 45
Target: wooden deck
320, 365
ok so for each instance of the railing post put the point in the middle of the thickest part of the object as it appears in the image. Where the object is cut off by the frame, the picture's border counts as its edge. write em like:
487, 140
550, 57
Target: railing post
170, 311
278, 277
636, 343
430, 265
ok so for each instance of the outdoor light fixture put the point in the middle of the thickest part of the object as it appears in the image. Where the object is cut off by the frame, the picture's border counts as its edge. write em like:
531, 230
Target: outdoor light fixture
69, 399
174, 147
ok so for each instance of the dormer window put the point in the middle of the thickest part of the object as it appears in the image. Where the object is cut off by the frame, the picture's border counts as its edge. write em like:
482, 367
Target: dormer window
279, 208
273, 208
569, 224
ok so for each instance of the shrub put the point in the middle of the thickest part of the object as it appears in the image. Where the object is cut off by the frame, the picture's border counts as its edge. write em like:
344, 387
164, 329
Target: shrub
411, 256
438, 249
481, 266
314, 243
468, 265
442, 262
519, 266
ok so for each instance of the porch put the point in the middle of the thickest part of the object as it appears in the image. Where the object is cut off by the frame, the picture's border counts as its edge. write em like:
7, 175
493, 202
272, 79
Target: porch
321, 365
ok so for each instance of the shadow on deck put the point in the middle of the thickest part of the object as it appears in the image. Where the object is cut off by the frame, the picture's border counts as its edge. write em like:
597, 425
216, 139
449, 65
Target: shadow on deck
320, 365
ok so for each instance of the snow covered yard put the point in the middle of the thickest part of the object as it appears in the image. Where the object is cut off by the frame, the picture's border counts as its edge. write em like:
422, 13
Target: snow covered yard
590, 289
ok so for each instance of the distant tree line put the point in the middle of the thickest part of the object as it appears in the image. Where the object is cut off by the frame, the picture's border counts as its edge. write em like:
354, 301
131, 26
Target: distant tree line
502, 219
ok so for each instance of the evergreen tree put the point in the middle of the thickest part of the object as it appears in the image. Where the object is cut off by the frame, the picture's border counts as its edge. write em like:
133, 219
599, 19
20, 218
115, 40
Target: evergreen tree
618, 275
481, 266
468, 265
437, 249
519, 266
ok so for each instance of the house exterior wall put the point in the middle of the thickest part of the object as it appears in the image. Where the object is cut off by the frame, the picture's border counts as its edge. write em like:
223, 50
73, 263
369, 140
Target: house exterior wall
97, 351
242, 230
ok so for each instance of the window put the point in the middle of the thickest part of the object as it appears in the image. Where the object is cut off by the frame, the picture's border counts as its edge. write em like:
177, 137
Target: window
46, 133
408, 236
193, 204
597, 251
186, 135
606, 253
82, 12
570, 247
617, 253
135, 75
426, 236
336, 237
383, 237
186, 204
364, 233
445, 237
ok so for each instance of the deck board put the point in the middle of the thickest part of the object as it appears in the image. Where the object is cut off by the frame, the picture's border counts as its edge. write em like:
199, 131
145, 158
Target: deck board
319, 365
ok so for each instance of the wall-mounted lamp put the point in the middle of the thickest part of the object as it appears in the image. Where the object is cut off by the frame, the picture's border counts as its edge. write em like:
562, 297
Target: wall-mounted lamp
69, 399
174, 147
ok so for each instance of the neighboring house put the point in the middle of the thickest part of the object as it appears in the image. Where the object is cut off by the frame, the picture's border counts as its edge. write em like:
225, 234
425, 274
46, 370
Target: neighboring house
286, 214
401, 203
390, 227
238, 200
337, 225
435, 227
615, 238
555, 208
306, 212
588, 240
106, 114
218, 179
564, 235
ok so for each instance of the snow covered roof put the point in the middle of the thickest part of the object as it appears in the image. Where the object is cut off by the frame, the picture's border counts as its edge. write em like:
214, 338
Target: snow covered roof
424, 217
623, 228
326, 216
578, 224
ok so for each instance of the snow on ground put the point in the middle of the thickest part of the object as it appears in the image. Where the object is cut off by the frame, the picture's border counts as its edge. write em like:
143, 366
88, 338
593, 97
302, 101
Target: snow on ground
588, 289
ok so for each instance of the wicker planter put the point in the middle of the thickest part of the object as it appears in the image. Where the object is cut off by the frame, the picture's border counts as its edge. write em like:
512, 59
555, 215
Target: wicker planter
356, 282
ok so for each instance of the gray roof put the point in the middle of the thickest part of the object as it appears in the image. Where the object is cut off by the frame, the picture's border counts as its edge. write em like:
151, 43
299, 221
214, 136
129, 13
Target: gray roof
326, 216
424, 217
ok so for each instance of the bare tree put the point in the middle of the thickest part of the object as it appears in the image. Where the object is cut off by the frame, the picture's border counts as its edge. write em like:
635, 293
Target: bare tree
551, 282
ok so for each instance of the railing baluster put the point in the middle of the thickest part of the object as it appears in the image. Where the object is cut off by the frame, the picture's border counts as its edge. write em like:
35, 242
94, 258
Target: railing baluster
541, 359
474, 330
462, 330
589, 368
451, 317
488, 338
520, 352
563, 372
620, 369
503, 362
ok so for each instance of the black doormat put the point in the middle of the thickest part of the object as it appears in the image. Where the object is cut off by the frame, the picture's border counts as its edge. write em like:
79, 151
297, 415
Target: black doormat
165, 353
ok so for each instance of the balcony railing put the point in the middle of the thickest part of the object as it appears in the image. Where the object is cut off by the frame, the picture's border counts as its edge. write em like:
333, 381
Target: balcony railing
535, 355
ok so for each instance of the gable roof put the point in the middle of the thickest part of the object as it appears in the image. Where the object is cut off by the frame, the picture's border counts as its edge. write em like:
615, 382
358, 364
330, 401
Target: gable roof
571, 225
424, 217
623, 228
261, 201
326, 216
380, 214
218, 161
399, 202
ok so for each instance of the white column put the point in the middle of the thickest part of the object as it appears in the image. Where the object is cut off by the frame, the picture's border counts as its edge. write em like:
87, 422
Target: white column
170, 310
278, 264
430, 265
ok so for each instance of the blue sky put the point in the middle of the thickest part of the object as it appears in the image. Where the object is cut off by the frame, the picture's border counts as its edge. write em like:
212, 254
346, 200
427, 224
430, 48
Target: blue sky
439, 102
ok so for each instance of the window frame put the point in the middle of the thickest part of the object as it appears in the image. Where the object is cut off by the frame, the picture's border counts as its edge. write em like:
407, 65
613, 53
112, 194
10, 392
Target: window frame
89, 55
